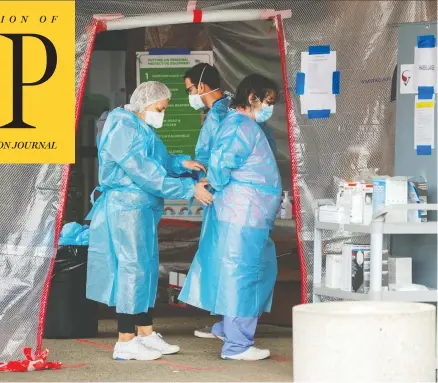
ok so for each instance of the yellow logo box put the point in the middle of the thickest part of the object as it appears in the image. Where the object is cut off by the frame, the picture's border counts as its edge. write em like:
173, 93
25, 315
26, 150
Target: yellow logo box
37, 82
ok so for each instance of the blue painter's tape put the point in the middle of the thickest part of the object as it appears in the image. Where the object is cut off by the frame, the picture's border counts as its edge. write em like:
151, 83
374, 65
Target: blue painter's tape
300, 83
319, 50
336, 82
424, 150
322, 113
425, 92
169, 51
427, 41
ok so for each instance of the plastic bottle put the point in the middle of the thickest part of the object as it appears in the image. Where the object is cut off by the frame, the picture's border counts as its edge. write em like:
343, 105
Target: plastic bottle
357, 202
279, 211
286, 207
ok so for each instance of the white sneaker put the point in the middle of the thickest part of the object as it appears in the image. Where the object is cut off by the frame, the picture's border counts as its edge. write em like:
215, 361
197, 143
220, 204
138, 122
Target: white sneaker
206, 333
134, 350
156, 342
252, 353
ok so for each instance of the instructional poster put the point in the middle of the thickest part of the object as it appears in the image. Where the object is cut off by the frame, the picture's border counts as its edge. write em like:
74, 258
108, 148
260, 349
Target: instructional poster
182, 123
424, 123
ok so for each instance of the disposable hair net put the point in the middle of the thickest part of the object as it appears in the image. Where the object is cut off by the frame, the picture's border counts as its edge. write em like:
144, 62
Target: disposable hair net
146, 94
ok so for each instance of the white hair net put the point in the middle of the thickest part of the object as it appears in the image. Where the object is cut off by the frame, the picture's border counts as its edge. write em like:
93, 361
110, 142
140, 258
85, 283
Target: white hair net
146, 94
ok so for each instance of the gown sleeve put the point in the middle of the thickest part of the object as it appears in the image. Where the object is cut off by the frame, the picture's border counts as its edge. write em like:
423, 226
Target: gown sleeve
130, 152
205, 140
174, 165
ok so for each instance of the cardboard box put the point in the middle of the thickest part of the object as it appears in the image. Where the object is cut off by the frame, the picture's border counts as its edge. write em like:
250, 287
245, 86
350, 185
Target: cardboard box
333, 271
417, 193
400, 271
357, 268
390, 191
332, 214
367, 191
343, 199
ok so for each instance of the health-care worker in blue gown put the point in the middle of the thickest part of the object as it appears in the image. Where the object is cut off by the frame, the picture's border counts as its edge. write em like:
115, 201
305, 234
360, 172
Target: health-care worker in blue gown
136, 174
202, 84
234, 270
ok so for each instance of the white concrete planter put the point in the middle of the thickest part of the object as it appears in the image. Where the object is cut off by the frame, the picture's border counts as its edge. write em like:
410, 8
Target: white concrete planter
364, 342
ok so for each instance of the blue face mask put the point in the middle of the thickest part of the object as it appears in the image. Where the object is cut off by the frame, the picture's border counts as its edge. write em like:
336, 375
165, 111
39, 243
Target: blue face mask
265, 114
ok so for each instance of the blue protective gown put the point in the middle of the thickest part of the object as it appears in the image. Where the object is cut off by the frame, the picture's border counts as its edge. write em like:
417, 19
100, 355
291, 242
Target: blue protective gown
134, 169
209, 129
234, 270
269, 133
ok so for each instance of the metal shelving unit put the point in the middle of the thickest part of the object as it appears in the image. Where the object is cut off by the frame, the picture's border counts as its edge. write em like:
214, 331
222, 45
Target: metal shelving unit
377, 230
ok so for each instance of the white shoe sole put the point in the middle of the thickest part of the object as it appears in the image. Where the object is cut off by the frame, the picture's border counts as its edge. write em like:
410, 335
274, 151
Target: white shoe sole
207, 335
171, 352
260, 356
129, 356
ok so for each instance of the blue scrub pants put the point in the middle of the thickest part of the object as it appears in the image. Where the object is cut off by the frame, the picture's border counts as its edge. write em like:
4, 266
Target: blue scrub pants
238, 334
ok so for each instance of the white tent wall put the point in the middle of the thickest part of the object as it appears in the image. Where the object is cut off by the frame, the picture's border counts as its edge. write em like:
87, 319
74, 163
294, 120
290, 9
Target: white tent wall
360, 134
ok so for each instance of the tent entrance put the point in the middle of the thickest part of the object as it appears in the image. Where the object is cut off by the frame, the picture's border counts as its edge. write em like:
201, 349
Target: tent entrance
105, 30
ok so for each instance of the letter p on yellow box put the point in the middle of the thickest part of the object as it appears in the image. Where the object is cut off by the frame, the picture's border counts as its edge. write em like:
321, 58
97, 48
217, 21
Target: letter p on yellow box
37, 82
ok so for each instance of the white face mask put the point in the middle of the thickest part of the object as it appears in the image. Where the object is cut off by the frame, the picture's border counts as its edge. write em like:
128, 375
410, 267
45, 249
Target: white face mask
154, 119
195, 99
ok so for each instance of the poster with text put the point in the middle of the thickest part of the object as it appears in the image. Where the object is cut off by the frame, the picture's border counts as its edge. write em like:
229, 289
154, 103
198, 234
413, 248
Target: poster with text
182, 123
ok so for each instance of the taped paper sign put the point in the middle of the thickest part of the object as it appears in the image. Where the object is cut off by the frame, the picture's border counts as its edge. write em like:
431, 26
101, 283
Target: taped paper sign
425, 61
318, 82
424, 130
425, 66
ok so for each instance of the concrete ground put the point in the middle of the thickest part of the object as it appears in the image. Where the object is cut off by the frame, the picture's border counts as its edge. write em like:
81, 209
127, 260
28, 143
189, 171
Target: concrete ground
199, 360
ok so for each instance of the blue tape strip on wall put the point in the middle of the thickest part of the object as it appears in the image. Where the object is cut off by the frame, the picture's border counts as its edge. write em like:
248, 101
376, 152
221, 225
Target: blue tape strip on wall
300, 83
319, 50
323, 113
169, 51
424, 150
425, 92
336, 82
427, 41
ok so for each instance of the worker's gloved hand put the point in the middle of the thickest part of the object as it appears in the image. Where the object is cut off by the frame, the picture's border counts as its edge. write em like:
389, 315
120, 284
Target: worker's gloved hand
193, 165
202, 194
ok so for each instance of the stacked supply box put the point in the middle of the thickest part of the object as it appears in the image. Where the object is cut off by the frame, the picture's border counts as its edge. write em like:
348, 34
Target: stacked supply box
417, 193
390, 191
356, 268
367, 193
344, 199
331, 214
400, 271
334, 271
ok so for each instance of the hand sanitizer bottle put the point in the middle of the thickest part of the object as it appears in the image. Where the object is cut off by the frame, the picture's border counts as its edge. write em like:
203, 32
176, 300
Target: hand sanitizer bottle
286, 207
279, 212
